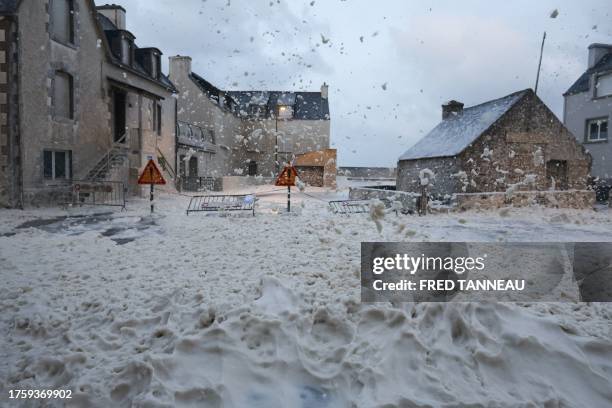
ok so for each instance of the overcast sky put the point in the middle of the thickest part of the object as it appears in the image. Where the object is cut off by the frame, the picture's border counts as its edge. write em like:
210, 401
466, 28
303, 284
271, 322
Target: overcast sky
390, 63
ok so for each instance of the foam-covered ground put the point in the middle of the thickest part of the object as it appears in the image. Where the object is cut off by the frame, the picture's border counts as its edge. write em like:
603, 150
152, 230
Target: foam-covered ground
213, 311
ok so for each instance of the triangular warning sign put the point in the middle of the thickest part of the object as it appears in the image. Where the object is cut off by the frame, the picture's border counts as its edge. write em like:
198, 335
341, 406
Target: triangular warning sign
151, 175
287, 177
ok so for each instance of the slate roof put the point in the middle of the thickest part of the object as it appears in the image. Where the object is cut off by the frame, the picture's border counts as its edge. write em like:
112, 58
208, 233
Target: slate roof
110, 29
208, 88
8, 6
306, 105
455, 134
582, 84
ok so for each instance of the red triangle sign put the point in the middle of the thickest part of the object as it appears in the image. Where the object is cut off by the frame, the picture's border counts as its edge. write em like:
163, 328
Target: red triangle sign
287, 177
151, 175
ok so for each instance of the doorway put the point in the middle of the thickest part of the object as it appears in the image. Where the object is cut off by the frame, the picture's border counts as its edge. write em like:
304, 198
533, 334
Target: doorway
252, 168
193, 167
556, 174
119, 116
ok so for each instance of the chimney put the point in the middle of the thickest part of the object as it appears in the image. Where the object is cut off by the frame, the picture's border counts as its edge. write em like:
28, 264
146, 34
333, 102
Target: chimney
597, 52
324, 91
452, 108
180, 66
114, 13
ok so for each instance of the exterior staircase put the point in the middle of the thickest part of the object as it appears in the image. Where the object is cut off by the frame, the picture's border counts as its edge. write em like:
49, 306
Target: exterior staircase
115, 157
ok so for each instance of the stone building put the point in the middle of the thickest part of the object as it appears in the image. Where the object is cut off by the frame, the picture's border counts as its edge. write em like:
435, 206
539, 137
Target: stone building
76, 84
588, 111
510, 144
234, 133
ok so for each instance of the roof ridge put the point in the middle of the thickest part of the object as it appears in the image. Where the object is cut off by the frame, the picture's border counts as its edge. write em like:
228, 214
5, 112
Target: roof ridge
524, 91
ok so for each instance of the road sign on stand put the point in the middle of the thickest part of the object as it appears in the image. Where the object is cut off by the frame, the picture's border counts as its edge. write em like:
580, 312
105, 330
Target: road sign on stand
151, 175
287, 179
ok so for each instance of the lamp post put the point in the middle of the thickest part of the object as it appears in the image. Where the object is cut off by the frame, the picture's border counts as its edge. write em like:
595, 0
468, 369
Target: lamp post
276, 144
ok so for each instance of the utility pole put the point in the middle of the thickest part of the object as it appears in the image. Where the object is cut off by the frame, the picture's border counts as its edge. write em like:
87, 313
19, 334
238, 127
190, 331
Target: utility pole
540, 64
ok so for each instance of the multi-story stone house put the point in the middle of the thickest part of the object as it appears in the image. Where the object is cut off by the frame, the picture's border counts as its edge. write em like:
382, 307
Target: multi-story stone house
514, 143
225, 133
588, 111
79, 100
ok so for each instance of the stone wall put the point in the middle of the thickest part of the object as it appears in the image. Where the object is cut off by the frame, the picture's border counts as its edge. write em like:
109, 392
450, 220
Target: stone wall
243, 143
408, 200
195, 107
408, 175
325, 160
578, 199
10, 179
513, 155
368, 173
86, 135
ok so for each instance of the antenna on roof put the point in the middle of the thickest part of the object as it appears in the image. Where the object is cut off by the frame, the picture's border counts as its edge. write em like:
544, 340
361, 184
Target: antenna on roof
540, 64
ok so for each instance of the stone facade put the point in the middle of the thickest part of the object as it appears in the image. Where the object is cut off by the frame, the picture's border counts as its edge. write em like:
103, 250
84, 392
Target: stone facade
235, 143
526, 149
318, 169
63, 112
10, 157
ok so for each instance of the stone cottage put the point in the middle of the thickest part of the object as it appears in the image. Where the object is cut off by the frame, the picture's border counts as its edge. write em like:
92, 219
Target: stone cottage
76, 93
588, 110
240, 133
508, 145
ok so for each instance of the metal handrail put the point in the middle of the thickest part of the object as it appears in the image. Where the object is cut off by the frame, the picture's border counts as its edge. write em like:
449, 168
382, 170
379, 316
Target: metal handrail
107, 154
166, 164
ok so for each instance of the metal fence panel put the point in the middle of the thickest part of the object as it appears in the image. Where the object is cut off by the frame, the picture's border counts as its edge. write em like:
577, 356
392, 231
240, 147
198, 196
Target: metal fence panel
220, 203
350, 206
98, 193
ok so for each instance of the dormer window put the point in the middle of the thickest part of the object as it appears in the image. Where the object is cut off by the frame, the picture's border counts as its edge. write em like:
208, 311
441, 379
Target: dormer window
150, 60
122, 45
126, 51
603, 86
285, 112
62, 21
284, 105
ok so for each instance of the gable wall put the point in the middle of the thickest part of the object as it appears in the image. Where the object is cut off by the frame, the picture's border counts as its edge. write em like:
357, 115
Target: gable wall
518, 145
521, 144
40, 56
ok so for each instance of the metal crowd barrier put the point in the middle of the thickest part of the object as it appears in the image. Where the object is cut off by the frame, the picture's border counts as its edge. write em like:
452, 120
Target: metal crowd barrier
98, 193
350, 207
219, 203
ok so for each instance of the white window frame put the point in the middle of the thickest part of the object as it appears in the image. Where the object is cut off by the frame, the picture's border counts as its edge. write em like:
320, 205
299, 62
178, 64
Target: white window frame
68, 164
598, 138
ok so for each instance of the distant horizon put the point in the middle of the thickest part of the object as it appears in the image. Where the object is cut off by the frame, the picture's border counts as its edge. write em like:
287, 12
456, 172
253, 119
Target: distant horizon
389, 74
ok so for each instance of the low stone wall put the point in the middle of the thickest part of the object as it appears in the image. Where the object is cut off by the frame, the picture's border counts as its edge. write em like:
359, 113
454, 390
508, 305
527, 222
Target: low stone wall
578, 199
240, 182
407, 199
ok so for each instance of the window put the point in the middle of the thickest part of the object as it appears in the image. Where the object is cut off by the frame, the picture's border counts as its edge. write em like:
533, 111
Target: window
62, 21
211, 136
158, 118
597, 130
196, 133
184, 130
57, 165
604, 85
156, 65
126, 51
285, 112
556, 174
63, 96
